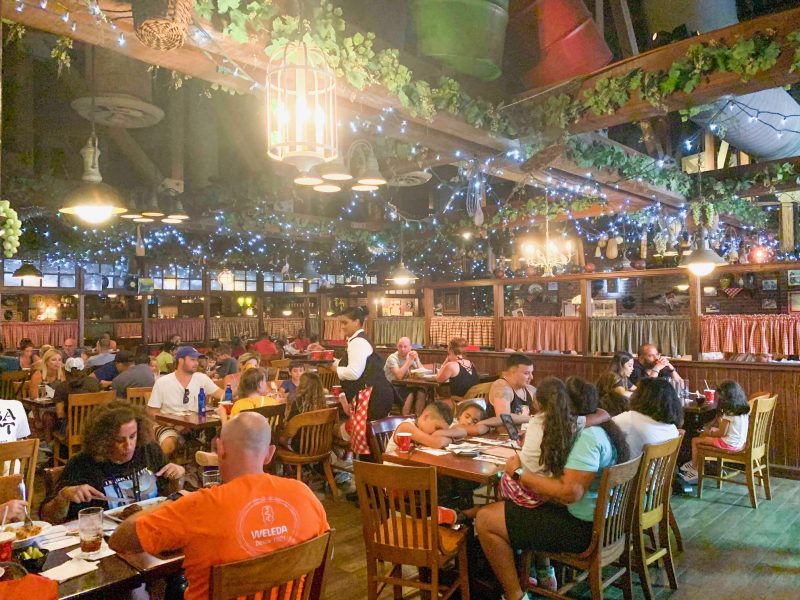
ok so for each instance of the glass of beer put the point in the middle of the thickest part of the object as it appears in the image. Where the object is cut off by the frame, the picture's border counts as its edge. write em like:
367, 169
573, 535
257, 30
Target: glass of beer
211, 478
90, 529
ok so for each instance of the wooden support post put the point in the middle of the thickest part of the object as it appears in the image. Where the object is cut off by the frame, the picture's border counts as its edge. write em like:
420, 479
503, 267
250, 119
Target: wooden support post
373, 303
586, 313
206, 305
427, 312
788, 201
307, 310
695, 312
260, 303
79, 276
499, 313
624, 27
145, 319
322, 308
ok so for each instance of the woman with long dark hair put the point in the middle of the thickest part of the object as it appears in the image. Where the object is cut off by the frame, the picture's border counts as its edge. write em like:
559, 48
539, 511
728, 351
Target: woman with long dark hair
362, 367
614, 386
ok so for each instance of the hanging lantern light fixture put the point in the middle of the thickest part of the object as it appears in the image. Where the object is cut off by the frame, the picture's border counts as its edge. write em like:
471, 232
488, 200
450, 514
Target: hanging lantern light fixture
225, 279
301, 108
401, 275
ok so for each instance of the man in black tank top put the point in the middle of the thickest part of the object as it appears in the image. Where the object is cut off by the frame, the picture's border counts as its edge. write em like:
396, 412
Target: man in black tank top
512, 393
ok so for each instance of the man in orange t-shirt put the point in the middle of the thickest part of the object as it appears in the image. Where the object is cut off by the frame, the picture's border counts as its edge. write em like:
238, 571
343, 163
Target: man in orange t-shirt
250, 513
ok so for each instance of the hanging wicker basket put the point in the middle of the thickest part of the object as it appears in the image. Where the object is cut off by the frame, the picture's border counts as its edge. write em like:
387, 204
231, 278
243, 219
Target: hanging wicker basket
162, 24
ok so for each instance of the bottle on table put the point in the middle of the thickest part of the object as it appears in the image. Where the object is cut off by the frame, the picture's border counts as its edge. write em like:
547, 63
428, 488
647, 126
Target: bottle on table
201, 402
228, 393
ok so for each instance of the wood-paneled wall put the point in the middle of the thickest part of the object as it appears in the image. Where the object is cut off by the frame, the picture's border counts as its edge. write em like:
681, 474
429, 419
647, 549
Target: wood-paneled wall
783, 380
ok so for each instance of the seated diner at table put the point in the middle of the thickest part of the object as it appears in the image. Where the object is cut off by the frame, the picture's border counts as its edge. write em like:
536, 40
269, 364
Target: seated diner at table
103, 353
457, 370
166, 358
27, 357
512, 392
134, 372
177, 393
314, 345
615, 386
650, 363
119, 463
266, 347
398, 366
8, 362
226, 364
300, 343
248, 360
48, 372
69, 349
250, 513
655, 415
288, 386
253, 392
564, 522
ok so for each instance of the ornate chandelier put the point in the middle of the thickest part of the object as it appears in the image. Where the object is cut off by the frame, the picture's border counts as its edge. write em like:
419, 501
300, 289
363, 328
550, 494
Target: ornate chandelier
301, 108
550, 256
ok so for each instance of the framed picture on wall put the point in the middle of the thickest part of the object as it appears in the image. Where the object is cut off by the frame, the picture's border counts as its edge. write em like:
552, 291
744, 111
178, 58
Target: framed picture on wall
769, 284
794, 277
518, 312
452, 303
794, 302
552, 286
712, 307
769, 304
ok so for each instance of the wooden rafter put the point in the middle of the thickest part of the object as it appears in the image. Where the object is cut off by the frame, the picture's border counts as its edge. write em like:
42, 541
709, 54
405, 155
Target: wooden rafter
660, 59
745, 171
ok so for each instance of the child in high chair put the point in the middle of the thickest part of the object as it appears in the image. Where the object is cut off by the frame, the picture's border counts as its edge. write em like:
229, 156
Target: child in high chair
729, 431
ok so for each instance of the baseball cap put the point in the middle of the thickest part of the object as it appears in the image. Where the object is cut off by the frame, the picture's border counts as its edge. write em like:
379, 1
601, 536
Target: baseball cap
185, 351
73, 364
124, 356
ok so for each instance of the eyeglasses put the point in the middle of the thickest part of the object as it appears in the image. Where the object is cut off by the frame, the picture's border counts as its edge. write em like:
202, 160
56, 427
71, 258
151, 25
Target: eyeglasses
186, 396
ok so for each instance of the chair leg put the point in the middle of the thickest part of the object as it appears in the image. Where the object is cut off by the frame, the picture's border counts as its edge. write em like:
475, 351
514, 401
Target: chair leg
627, 577
640, 564
669, 564
751, 485
326, 465
765, 478
700, 472
298, 469
719, 473
463, 572
673, 524
596, 580
525, 570
372, 582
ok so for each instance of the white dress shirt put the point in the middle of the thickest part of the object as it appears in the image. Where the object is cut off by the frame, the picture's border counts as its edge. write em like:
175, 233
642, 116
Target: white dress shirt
358, 351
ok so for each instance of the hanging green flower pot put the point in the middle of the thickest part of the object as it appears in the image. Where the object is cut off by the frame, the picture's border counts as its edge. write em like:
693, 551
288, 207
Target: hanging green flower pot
468, 35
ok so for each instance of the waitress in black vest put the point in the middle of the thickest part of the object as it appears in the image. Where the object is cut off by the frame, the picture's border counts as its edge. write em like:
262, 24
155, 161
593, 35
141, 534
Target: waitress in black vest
362, 367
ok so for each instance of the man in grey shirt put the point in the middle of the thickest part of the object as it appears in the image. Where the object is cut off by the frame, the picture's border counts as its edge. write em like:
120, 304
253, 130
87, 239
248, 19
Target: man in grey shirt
397, 367
226, 364
134, 372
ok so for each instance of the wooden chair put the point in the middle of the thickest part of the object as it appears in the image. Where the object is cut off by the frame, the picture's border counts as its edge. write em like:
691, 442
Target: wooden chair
653, 512
52, 476
480, 390
138, 396
399, 517
294, 573
312, 433
328, 377
12, 384
79, 407
27, 453
753, 458
275, 416
611, 537
379, 433
282, 366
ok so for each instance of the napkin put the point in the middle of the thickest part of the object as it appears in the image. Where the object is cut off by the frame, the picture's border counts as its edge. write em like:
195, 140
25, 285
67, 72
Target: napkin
102, 553
68, 570
434, 451
57, 543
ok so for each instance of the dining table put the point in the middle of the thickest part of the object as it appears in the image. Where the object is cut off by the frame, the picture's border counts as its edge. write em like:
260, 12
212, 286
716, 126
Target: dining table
37, 403
190, 420
450, 464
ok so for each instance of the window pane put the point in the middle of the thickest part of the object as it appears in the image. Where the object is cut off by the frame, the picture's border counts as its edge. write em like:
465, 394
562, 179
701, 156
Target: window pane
183, 284
93, 282
196, 284
50, 280
170, 283
67, 280
268, 286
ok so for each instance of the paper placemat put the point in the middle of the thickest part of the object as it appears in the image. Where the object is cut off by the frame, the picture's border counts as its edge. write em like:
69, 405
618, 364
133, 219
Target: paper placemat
433, 451
68, 570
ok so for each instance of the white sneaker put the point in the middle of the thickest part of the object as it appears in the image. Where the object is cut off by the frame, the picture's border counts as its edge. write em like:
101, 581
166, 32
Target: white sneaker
342, 477
687, 466
690, 476
341, 463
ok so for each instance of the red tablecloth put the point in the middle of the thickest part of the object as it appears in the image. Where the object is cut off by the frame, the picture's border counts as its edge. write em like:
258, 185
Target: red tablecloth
44, 332
774, 334
190, 330
542, 333
477, 330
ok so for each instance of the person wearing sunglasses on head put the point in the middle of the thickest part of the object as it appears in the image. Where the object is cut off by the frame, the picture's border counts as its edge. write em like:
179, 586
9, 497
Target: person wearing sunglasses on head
177, 393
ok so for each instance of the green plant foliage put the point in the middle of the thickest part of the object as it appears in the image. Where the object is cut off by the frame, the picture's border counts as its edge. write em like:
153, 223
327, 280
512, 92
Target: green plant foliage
62, 53
794, 38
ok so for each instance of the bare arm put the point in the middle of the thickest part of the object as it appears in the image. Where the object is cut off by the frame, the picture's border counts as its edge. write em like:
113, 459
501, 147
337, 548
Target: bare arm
33, 386
434, 440
447, 371
567, 489
124, 538
622, 391
153, 412
55, 511
598, 417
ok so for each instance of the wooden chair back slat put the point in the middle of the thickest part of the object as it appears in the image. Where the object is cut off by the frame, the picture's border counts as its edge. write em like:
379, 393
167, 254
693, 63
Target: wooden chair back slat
379, 433
293, 573
328, 377
397, 512
138, 396
274, 415
760, 426
313, 431
480, 390
12, 384
613, 513
27, 453
655, 481
79, 407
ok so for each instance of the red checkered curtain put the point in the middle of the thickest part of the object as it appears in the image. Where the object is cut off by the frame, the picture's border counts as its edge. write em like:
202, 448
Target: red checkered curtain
288, 325
331, 330
128, 330
542, 333
40, 333
190, 330
757, 334
478, 331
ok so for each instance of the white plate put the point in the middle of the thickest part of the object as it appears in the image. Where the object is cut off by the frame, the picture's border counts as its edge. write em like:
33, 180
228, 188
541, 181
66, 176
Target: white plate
114, 513
27, 541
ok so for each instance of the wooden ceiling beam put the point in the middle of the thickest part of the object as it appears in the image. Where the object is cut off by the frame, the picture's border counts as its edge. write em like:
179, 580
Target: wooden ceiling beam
660, 59
746, 171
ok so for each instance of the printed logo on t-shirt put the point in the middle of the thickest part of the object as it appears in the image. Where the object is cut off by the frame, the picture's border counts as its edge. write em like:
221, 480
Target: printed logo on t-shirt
8, 422
265, 522
125, 488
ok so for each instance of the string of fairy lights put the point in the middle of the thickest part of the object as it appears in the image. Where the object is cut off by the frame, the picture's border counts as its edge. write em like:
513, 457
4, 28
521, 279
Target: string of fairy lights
437, 251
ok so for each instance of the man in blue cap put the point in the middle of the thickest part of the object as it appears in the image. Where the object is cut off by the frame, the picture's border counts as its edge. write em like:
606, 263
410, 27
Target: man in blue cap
176, 393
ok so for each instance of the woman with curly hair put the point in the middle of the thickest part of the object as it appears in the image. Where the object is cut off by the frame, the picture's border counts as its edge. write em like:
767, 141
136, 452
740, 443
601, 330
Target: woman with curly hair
119, 463
615, 386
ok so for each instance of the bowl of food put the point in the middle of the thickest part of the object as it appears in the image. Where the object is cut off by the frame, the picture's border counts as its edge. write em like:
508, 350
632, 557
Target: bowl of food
32, 558
25, 534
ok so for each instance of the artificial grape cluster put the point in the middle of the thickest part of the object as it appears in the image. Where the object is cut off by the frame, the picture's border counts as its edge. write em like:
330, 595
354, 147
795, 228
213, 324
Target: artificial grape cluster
10, 228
